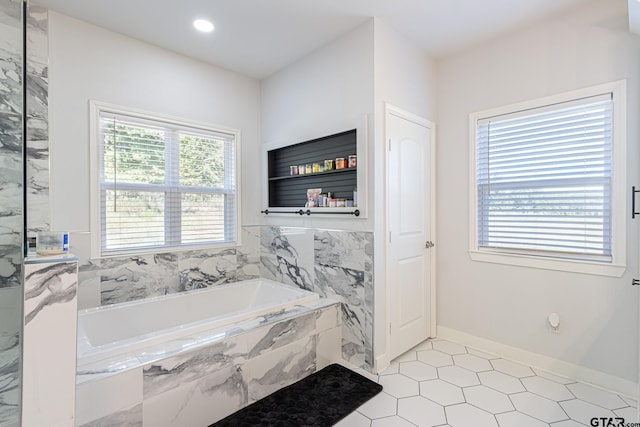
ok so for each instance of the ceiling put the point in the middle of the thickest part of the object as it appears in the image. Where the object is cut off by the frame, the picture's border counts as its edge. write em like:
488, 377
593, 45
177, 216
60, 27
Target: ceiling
259, 37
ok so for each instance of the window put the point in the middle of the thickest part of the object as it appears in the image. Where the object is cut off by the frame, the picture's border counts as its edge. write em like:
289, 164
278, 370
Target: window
548, 181
161, 183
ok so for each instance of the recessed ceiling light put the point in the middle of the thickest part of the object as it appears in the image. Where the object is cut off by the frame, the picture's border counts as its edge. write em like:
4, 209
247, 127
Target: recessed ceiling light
203, 25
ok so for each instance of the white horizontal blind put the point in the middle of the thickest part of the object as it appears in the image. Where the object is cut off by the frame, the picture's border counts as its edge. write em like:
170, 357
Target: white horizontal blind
164, 184
544, 180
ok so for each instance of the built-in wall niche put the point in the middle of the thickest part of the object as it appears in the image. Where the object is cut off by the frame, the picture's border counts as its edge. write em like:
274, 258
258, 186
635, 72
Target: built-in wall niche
313, 164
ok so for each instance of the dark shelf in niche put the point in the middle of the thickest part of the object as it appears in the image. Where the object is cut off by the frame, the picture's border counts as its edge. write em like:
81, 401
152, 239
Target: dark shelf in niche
311, 175
287, 190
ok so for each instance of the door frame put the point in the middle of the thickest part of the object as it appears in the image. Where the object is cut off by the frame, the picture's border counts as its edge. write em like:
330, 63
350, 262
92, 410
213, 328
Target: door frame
390, 109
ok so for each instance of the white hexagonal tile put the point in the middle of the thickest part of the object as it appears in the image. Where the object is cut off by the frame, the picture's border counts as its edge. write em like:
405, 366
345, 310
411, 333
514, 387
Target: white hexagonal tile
366, 374
398, 385
435, 358
458, 376
393, 368
406, 357
449, 347
381, 405
394, 421
547, 388
596, 396
465, 415
501, 382
488, 399
512, 368
629, 414
583, 412
424, 345
567, 423
420, 411
355, 419
518, 419
441, 392
418, 371
538, 407
472, 363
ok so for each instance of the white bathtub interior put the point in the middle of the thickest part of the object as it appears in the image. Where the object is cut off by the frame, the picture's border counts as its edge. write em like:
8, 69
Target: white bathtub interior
124, 329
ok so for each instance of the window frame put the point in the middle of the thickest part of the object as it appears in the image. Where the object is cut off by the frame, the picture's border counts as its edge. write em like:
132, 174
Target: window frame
542, 260
95, 110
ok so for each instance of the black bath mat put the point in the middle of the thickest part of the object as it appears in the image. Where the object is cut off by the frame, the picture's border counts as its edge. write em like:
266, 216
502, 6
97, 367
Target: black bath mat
319, 400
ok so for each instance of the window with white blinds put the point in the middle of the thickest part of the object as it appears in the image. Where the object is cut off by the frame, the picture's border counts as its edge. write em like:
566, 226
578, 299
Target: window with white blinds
544, 180
164, 184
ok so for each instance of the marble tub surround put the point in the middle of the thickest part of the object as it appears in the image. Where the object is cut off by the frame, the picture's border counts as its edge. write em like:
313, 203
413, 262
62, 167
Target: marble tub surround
88, 371
287, 255
49, 339
138, 277
114, 280
335, 264
232, 369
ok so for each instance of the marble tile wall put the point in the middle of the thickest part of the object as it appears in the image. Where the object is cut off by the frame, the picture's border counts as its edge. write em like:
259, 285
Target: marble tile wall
11, 206
11, 209
49, 341
120, 279
232, 373
37, 75
332, 263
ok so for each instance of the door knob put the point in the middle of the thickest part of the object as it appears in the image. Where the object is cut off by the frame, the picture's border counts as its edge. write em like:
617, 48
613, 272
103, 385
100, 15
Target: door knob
429, 244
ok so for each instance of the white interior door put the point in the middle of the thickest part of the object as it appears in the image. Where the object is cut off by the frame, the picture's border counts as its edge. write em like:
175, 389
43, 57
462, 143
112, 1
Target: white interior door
409, 215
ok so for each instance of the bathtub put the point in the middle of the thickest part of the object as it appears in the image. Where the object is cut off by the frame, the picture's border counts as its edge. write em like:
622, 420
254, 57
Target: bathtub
132, 328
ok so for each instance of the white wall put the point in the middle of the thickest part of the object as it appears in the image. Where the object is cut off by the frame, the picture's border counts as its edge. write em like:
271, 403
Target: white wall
328, 91
507, 304
88, 62
405, 77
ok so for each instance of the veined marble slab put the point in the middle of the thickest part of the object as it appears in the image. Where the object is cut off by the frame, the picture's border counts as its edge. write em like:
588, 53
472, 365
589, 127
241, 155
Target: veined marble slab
204, 268
133, 278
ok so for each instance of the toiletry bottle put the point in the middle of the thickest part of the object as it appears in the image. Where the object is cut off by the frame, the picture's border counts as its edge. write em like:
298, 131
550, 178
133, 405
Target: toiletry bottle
355, 196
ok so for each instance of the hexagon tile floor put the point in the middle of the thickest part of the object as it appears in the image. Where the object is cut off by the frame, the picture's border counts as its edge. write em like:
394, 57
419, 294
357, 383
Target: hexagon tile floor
442, 383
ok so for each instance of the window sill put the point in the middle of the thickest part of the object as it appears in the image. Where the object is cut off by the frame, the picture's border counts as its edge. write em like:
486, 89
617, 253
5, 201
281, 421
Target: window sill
583, 267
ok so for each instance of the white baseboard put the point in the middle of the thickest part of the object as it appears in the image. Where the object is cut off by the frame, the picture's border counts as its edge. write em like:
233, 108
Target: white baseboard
535, 360
381, 363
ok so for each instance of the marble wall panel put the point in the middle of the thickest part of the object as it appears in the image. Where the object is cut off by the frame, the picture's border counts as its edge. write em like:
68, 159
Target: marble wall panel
131, 417
138, 277
204, 268
50, 326
11, 209
99, 400
268, 338
9, 377
344, 271
279, 368
175, 371
248, 254
200, 402
37, 131
11, 206
347, 249
287, 255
